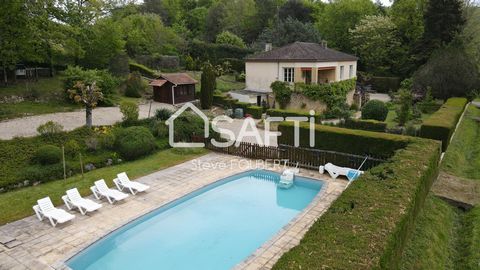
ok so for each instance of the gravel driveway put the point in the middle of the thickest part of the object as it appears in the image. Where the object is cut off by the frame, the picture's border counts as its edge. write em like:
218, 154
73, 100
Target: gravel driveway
27, 126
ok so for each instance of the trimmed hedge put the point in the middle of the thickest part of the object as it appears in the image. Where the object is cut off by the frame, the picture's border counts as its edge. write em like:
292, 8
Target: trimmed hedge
371, 125
441, 125
134, 142
359, 142
385, 84
145, 71
287, 113
224, 101
368, 225
255, 111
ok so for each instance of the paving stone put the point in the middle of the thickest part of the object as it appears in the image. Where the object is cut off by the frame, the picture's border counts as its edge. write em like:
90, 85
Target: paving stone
13, 244
4, 239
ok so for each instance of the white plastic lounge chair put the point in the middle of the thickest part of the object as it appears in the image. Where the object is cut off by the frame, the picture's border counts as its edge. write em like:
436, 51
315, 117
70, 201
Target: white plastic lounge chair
73, 199
101, 190
123, 182
336, 171
45, 209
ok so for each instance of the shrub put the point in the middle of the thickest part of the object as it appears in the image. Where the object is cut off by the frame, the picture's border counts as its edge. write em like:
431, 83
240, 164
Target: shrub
72, 148
159, 129
134, 142
241, 105
351, 141
282, 92
372, 220
404, 112
129, 110
163, 114
49, 128
371, 125
428, 104
135, 85
255, 111
224, 101
441, 124
186, 125
42, 173
376, 110
287, 113
333, 94
48, 154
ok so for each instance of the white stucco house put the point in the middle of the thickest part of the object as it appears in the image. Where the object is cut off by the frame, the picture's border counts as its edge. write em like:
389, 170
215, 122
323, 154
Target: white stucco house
296, 62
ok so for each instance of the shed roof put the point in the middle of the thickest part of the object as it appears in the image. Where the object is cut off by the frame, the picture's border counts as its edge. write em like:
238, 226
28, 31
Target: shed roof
302, 51
157, 82
178, 78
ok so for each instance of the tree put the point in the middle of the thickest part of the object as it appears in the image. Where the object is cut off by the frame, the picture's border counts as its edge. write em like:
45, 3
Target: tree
405, 100
341, 15
289, 31
443, 20
229, 38
14, 32
295, 9
376, 42
450, 72
208, 81
214, 22
87, 94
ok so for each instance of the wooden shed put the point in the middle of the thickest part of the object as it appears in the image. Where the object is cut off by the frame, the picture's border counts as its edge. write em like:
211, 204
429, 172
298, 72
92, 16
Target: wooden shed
174, 88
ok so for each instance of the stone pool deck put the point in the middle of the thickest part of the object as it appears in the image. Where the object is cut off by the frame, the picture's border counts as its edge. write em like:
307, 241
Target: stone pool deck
38, 245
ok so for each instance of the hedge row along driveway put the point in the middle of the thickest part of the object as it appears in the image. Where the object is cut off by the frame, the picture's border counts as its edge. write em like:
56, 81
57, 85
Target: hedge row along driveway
368, 225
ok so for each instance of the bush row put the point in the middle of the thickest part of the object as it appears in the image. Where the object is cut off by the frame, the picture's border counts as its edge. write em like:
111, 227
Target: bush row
145, 71
288, 113
441, 125
255, 111
368, 225
359, 142
228, 102
371, 125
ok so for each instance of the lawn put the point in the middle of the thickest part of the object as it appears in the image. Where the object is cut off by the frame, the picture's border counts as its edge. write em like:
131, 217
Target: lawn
392, 115
18, 204
462, 157
225, 83
27, 108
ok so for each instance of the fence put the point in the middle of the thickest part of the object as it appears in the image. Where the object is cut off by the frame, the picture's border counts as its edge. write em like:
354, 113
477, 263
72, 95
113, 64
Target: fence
308, 158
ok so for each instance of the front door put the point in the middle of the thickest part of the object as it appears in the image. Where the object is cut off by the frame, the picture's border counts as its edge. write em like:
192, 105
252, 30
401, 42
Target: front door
259, 100
307, 76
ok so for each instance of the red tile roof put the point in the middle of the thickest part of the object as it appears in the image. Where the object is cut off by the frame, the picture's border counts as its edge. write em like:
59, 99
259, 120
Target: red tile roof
157, 82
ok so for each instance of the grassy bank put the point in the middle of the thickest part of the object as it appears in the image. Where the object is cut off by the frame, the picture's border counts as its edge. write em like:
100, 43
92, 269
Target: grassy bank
18, 204
432, 243
463, 154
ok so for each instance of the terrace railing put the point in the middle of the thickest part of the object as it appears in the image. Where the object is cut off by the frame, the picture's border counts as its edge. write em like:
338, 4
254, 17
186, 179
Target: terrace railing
308, 158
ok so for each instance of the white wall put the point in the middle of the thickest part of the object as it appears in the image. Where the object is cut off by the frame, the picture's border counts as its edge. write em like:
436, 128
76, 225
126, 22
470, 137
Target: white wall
260, 75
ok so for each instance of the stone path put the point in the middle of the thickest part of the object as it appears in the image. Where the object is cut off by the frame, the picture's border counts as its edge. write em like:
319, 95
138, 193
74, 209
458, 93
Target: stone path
44, 247
380, 96
27, 126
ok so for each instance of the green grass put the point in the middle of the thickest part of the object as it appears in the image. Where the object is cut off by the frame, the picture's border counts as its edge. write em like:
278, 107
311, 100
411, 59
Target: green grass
225, 83
392, 115
432, 243
28, 108
18, 204
462, 157
471, 239
44, 87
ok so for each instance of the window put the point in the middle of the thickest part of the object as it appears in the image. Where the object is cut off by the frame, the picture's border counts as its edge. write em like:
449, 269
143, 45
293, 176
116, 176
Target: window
288, 74
341, 72
350, 72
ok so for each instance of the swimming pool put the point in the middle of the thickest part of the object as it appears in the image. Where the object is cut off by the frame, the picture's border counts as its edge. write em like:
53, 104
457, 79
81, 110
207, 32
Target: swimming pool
215, 227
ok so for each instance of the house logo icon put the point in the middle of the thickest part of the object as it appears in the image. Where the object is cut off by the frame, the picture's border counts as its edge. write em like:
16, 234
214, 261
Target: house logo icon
171, 127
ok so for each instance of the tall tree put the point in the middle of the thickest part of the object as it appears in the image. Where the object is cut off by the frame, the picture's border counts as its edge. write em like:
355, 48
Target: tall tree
341, 15
443, 20
296, 9
14, 31
375, 40
208, 81
214, 22
288, 31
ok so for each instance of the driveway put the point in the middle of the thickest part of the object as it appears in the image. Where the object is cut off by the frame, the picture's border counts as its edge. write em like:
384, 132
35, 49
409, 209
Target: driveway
27, 126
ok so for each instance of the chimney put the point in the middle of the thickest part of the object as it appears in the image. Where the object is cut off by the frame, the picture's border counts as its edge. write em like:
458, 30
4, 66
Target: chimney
268, 47
323, 43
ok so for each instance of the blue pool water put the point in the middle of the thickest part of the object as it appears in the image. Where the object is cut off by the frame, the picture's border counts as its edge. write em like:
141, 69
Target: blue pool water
215, 227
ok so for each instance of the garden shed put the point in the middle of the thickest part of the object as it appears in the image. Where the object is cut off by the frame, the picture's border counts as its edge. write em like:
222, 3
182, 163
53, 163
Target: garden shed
174, 88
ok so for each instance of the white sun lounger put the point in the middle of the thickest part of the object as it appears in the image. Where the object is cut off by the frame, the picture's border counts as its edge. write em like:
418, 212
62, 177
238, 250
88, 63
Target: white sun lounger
45, 209
123, 182
73, 199
336, 171
100, 190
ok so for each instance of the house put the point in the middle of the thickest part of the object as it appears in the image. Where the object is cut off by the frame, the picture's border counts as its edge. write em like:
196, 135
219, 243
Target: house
174, 88
297, 62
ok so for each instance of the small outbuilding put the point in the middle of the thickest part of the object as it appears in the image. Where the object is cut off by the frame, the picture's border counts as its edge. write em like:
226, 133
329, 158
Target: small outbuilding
174, 88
